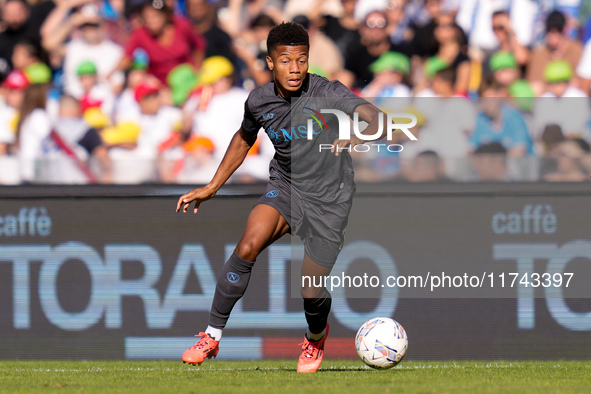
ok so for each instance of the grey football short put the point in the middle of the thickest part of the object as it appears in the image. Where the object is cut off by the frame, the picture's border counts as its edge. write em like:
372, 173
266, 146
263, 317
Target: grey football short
320, 226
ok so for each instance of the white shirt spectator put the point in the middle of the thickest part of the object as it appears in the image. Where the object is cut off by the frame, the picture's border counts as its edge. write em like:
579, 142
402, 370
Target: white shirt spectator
126, 106
449, 123
7, 116
57, 165
105, 56
101, 92
35, 128
219, 124
584, 66
523, 18
140, 164
475, 18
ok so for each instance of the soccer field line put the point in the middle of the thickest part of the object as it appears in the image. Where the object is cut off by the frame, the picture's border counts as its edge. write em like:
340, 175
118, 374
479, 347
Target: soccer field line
199, 369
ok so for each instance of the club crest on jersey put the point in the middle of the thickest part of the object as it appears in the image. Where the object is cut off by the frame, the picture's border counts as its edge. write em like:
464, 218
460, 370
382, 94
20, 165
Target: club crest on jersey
272, 193
232, 277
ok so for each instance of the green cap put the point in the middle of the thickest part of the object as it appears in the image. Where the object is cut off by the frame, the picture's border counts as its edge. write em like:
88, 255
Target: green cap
38, 73
314, 69
502, 60
86, 68
433, 65
558, 71
523, 93
182, 79
391, 61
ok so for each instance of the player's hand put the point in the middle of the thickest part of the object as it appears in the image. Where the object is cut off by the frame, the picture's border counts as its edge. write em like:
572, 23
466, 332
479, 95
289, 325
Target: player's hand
339, 145
198, 195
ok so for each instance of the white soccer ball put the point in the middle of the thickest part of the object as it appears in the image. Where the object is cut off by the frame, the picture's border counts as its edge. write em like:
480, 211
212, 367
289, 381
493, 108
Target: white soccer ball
381, 342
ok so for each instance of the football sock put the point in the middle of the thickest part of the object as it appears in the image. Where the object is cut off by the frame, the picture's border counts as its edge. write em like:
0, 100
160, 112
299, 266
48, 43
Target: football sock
317, 310
215, 333
315, 337
231, 285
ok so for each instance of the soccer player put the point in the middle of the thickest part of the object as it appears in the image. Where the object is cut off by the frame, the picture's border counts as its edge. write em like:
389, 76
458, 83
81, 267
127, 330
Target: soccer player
311, 199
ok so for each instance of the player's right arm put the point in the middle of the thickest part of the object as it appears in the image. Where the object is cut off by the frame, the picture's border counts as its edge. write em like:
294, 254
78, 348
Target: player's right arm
235, 155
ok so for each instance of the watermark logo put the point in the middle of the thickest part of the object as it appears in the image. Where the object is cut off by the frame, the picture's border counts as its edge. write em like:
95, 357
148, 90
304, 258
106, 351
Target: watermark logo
386, 121
311, 110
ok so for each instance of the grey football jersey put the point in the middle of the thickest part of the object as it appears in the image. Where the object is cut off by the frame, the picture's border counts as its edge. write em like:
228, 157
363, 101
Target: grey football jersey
313, 174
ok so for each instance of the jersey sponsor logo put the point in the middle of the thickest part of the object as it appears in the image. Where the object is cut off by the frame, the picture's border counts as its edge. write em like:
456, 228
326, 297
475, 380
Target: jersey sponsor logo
272, 193
232, 277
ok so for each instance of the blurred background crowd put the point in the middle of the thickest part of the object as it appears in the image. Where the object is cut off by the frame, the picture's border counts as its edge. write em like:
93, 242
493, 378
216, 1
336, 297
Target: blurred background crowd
128, 91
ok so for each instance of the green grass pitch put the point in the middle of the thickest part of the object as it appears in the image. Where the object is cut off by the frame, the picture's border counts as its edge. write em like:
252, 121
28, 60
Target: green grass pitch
335, 376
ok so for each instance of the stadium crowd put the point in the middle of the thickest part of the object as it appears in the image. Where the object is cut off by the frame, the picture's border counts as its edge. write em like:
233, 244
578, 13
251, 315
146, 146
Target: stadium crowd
128, 91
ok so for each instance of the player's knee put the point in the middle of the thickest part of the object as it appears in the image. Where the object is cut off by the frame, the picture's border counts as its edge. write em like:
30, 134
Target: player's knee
248, 250
312, 293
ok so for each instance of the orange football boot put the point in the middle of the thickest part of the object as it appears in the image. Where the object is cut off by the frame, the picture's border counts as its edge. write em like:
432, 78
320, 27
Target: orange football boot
206, 347
312, 353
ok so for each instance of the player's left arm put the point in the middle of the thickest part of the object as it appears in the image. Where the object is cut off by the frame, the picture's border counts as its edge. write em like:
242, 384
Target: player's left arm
370, 114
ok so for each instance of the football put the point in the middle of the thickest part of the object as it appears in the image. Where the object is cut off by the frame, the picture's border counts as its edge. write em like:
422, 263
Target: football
381, 342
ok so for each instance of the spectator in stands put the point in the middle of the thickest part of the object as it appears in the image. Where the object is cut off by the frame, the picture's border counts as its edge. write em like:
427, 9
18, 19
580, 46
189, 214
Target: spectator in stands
431, 66
90, 44
69, 151
504, 68
251, 49
444, 81
137, 162
168, 40
570, 158
424, 44
427, 166
94, 92
33, 127
13, 89
584, 67
499, 122
507, 40
324, 56
25, 53
389, 73
203, 17
343, 30
489, 162
126, 104
557, 46
475, 18
208, 110
398, 24
15, 15
451, 48
552, 137
562, 103
240, 14
374, 42
558, 75
449, 121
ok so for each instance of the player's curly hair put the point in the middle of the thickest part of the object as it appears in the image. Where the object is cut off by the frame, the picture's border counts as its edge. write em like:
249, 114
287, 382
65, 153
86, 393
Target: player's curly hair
287, 33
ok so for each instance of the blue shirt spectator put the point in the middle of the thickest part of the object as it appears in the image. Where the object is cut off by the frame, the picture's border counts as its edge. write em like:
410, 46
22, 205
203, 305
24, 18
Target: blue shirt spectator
498, 122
